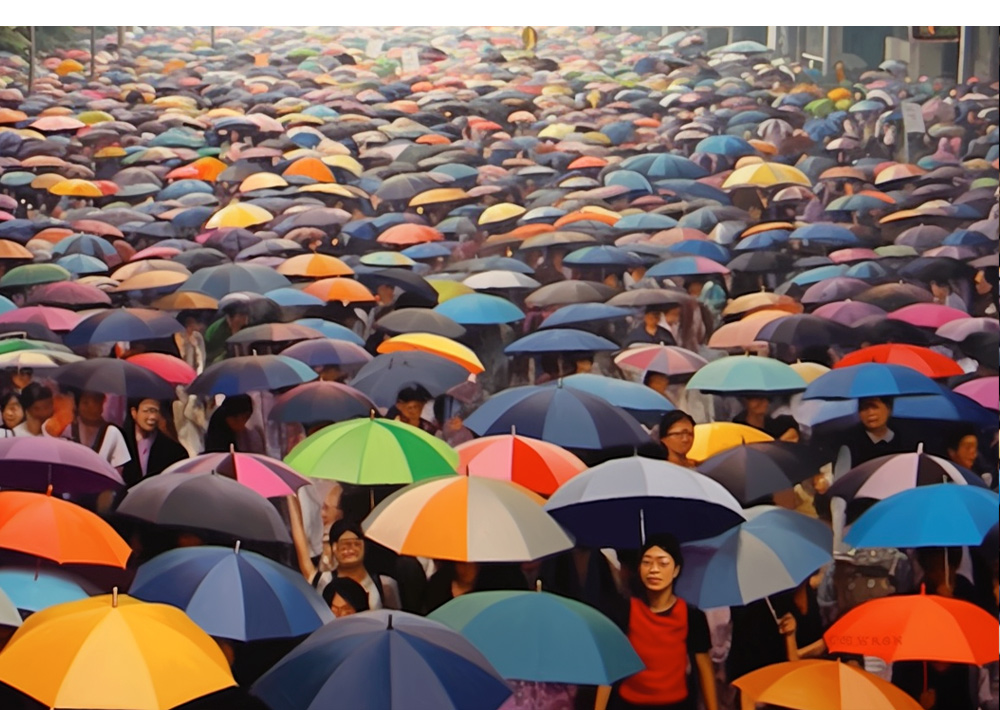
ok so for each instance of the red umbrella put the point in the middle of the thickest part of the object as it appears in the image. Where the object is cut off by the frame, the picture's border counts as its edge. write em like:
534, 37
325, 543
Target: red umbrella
537, 465
923, 360
172, 369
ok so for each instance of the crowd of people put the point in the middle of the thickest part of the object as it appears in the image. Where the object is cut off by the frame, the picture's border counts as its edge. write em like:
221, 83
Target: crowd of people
565, 209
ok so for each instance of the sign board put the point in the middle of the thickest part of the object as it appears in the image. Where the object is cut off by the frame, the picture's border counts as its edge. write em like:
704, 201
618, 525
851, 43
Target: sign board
410, 60
374, 48
913, 119
935, 33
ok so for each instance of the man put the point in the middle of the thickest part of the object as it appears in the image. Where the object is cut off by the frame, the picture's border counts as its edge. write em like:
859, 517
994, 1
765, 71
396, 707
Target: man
874, 437
410, 403
151, 450
90, 429
650, 331
237, 317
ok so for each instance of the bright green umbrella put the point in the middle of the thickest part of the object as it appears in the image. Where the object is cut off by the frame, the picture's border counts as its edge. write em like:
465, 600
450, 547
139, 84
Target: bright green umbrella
373, 452
33, 275
820, 108
17, 344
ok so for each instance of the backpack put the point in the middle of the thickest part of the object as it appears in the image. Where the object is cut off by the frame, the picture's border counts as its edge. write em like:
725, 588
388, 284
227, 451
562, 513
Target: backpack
862, 575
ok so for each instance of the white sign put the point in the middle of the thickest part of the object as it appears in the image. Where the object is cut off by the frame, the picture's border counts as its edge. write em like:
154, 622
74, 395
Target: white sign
411, 60
374, 48
913, 119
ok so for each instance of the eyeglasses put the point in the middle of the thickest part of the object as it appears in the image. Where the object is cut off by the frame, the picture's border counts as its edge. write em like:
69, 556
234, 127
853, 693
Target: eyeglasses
686, 434
350, 543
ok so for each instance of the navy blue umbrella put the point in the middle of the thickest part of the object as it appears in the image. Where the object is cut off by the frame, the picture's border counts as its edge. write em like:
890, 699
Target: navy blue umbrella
559, 340
232, 594
582, 314
122, 324
239, 375
384, 660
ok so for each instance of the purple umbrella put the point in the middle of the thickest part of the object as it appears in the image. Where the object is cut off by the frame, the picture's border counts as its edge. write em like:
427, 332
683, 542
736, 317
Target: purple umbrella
328, 352
848, 312
982, 390
33, 463
923, 236
837, 288
961, 328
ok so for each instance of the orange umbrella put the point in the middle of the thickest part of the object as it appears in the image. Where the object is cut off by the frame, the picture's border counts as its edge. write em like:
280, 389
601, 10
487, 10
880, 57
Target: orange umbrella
53, 235
537, 465
340, 289
435, 344
743, 333
923, 360
766, 227
519, 234
898, 171
97, 228
76, 188
314, 266
407, 234
208, 168
917, 627
13, 250
585, 216
10, 115
310, 167
821, 685
186, 300
758, 301
43, 526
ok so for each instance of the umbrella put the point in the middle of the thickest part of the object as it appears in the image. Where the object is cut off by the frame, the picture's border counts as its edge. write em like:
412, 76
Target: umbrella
670, 360
821, 685
537, 465
112, 376
420, 320
583, 315
238, 375
113, 651
559, 415
171, 369
35, 463
383, 377
562, 293
383, 659
927, 315
56, 319
205, 501
479, 309
273, 333
466, 519
262, 474
917, 627
740, 375
847, 312
34, 275
232, 594
542, 637
754, 471
45, 526
742, 333
436, 345
123, 324
870, 380
983, 390
331, 330
373, 452
315, 402
559, 340
716, 437
774, 550
630, 396
217, 281
923, 360
34, 589
686, 266
806, 331
621, 502
939, 515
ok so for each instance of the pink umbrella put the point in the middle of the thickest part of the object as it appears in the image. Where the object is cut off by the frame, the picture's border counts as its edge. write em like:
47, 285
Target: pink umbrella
927, 315
57, 319
155, 253
667, 359
848, 312
172, 369
982, 390
844, 256
961, 328
537, 465
262, 474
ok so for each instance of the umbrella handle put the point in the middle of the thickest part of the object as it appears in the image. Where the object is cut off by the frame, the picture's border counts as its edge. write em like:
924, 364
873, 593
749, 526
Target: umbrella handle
642, 526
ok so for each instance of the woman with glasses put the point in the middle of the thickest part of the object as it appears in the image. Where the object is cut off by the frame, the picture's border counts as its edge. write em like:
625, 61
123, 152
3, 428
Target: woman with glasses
677, 436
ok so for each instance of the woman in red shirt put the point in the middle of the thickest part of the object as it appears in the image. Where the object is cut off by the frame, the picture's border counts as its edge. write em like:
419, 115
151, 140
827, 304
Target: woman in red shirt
670, 636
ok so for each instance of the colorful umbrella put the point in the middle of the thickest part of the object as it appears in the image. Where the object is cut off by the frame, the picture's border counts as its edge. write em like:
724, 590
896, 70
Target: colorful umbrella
268, 477
537, 465
435, 345
172, 369
670, 360
741, 375
983, 390
928, 315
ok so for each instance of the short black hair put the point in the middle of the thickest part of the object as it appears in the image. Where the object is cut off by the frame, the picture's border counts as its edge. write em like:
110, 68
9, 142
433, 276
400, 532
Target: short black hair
650, 373
884, 399
349, 590
340, 527
33, 393
671, 418
956, 435
413, 393
666, 542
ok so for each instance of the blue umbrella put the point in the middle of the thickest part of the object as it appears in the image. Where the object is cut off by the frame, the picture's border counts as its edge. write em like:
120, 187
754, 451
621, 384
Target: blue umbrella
383, 377
774, 550
559, 340
699, 247
942, 515
326, 351
763, 240
81, 264
641, 401
580, 314
192, 218
36, 589
239, 375
693, 189
729, 146
686, 266
633, 181
183, 187
746, 117
217, 281
825, 234
946, 406
867, 270
645, 222
542, 637
870, 379
7, 305
331, 330
664, 166
560, 415
85, 244
857, 203
429, 250
820, 273
602, 256
383, 659
743, 374
620, 502
122, 324
232, 594
967, 238
480, 309
287, 297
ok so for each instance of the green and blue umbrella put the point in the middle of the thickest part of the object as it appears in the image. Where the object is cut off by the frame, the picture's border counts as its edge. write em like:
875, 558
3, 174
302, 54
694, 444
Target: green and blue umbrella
745, 374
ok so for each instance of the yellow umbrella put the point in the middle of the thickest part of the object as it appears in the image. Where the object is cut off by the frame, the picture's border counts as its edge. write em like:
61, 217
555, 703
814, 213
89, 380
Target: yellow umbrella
92, 117
766, 175
329, 188
436, 344
111, 151
344, 162
113, 652
809, 371
262, 181
239, 214
447, 290
314, 266
711, 439
500, 213
76, 188
439, 195
46, 181
68, 66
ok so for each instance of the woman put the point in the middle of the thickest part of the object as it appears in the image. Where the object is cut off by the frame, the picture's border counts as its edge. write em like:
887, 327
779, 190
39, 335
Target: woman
677, 436
452, 579
38, 406
228, 422
669, 635
11, 413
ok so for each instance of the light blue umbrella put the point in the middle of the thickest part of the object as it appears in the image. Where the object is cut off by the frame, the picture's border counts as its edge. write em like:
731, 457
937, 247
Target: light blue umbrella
33, 590
742, 374
428, 250
729, 146
774, 550
826, 234
541, 637
602, 256
288, 297
645, 222
331, 330
480, 309
584, 313
700, 247
631, 396
7, 305
820, 273
870, 379
82, 264
559, 340
942, 515
763, 240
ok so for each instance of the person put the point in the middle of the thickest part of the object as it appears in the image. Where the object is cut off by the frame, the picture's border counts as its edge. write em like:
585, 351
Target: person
150, 448
11, 413
190, 342
227, 423
347, 542
873, 437
93, 431
450, 580
962, 447
943, 295
451, 426
410, 403
668, 634
20, 377
650, 331
345, 597
677, 436
583, 363
656, 381
235, 318
38, 406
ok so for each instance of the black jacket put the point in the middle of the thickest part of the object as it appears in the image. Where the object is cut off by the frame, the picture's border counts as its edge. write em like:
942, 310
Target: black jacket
164, 452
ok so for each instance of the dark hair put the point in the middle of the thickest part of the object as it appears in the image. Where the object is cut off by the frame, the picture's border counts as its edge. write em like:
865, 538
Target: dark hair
783, 423
219, 437
650, 373
671, 418
134, 403
349, 590
666, 542
884, 399
583, 356
413, 393
234, 405
956, 435
33, 393
926, 556
342, 526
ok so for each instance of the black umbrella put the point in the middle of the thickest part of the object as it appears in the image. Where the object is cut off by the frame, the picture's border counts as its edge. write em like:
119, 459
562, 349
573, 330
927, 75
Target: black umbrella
562, 293
383, 378
753, 471
639, 297
398, 278
877, 330
983, 347
936, 268
420, 320
317, 402
113, 376
759, 262
804, 331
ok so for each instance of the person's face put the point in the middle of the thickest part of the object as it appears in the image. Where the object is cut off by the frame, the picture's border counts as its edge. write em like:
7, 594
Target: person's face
22, 378
679, 438
651, 320
349, 550
147, 415
330, 373
658, 383
757, 406
386, 294
238, 422
584, 366
410, 411
939, 291
657, 569
330, 511
791, 434
673, 316
237, 321
13, 413
41, 410
874, 413
191, 325
466, 572
91, 407
965, 453
341, 607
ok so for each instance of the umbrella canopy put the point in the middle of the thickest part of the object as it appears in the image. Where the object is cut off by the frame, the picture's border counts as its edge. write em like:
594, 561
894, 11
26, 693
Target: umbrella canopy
740, 375
268, 477
172, 369
983, 390
537, 465
466, 519
383, 377
436, 345
205, 501
112, 376
537, 636
715, 437
123, 324
559, 340
670, 360
420, 320
754, 471
36, 589
621, 502
870, 380
887, 475
232, 594
373, 452
113, 651
35, 463
238, 375
479, 309
774, 550
318, 402
383, 659
924, 360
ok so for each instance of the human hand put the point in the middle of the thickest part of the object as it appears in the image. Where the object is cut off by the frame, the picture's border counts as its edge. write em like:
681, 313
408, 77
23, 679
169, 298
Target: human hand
787, 625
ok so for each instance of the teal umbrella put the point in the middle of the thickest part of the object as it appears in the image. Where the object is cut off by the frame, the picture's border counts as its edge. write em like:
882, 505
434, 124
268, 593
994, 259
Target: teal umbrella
33, 275
541, 637
745, 375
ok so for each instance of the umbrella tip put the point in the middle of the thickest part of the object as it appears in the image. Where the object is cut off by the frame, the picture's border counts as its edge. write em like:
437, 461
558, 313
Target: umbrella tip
236, 549
371, 413
538, 585
114, 597
920, 448
48, 490
389, 625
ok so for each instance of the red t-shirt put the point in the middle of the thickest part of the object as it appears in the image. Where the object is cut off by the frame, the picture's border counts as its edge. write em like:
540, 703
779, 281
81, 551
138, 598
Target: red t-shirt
661, 642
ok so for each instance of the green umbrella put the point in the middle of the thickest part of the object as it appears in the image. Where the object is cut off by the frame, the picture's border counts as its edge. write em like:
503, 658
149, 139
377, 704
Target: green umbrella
17, 344
373, 452
820, 108
33, 275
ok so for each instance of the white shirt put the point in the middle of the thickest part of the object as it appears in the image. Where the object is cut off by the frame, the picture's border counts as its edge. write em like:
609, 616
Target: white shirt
22, 430
887, 437
113, 449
